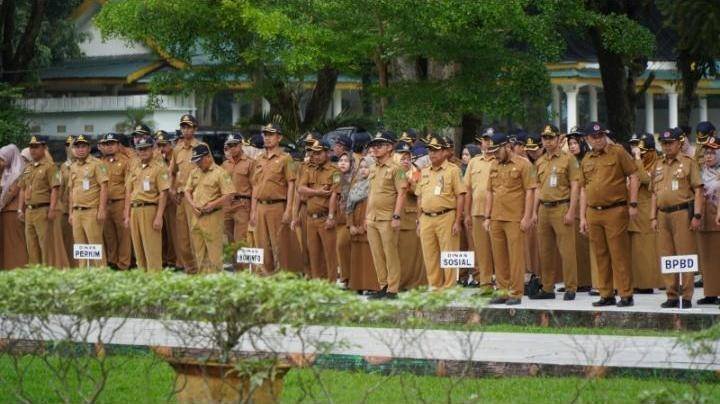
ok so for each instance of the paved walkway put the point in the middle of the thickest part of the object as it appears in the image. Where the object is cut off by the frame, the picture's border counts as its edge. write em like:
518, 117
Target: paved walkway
551, 349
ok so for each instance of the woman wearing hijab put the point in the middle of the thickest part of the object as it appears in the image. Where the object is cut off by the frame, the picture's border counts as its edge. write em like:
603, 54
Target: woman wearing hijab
586, 263
362, 270
709, 238
412, 267
342, 232
469, 151
645, 272
13, 253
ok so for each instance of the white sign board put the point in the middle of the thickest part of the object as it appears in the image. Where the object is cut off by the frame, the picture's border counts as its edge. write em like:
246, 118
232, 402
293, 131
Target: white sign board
252, 256
675, 264
87, 251
457, 259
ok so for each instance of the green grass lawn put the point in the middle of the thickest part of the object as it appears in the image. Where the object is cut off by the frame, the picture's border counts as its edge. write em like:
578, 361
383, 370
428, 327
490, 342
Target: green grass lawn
145, 379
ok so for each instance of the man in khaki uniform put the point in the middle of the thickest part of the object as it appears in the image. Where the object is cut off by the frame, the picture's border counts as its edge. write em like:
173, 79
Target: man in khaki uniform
299, 210
703, 132
240, 168
386, 197
88, 198
169, 230
676, 206
555, 205
208, 189
604, 214
40, 192
508, 215
117, 239
440, 194
477, 177
145, 200
320, 184
271, 209
180, 168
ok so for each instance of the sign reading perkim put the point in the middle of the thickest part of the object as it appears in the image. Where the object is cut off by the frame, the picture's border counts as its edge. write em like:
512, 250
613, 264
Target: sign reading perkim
252, 256
87, 251
675, 264
457, 259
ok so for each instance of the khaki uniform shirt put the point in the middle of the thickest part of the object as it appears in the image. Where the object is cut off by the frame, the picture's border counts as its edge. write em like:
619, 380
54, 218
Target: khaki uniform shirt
272, 174
675, 180
241, 171
508, 183
386, 182
326, 177
555, 173
207, 186
181, 164
477, 177
147, 181
38, 180
604, 175
410, 207
85, 179
118, 168
439, 187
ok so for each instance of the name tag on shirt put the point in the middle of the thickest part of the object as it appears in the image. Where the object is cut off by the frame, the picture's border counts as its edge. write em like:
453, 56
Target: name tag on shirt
86, 184
674, 185
553, 181
146, 185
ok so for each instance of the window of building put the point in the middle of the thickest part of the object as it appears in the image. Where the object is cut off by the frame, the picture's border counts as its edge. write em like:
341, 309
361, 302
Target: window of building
89, 128
61, 129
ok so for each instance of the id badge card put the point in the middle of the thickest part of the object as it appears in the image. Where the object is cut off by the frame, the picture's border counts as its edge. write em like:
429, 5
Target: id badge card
86, 184
674, 184
553, 180
437, 190
146, 184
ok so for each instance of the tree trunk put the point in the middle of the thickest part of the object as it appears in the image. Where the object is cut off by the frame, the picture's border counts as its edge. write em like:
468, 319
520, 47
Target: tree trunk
321, 97
285, 103
471, 125
689, 78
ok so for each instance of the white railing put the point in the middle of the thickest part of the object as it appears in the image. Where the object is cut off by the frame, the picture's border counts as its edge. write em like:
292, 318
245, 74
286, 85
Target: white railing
105, 103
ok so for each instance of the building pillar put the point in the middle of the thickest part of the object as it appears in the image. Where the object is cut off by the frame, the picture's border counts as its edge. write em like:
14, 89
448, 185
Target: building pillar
592, 90
555, 105
703, 107
571, 93
672, 107
649, 112
235, 105
265, 107
337, 102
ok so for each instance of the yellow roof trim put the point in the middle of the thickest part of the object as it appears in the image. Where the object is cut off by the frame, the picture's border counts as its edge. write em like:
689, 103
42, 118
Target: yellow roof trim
142, 72
563, 66
176, 63
84, 7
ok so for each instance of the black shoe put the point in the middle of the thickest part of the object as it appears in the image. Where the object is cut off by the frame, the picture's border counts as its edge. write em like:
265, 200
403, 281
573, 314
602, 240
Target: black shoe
626, 302
499, 300
708, 300
605, 301
512, 301
593, 292
639, 291
391, 295
569, 296
584, 289
560, 290
686, 304
699, 283
543, 295
380, 294
670, 304
533, 286
472, 284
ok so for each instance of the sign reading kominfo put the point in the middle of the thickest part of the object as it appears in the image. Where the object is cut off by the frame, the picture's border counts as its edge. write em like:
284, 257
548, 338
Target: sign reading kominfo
252, 256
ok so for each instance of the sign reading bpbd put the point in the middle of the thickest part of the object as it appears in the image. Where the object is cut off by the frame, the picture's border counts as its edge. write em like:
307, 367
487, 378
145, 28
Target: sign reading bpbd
676, 264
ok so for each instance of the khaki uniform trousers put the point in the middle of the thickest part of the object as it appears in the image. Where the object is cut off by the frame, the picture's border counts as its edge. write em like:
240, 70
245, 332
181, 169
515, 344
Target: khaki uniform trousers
483, 252
67, 237
508, 242
236, 225
183, 248
342, 250
87, 230
146, 241
280, 244
553, 236
585, 267
169, 233
321, 245
12, 245
116, 236
383, 240
206, 233
436, 236
611, 247
676, 238
44, 238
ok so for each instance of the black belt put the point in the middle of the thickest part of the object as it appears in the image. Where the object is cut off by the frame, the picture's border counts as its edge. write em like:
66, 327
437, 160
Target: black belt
550, 204
675, 208
435, 214
317, 215
116, 200
240, 197
141, 204
612, 205
82, 208
37, 205
270, 201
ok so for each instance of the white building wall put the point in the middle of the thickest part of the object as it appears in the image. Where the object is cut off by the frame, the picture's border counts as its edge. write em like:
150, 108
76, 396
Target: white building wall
93, 45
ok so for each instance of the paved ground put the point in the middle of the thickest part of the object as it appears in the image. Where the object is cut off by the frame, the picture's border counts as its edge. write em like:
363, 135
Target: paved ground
551, 349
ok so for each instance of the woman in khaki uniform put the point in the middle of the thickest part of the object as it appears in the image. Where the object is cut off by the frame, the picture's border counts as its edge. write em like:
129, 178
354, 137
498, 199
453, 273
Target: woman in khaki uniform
643, 240
709, 237
578, 148
12, 248
342, 232
362, 270
412, 267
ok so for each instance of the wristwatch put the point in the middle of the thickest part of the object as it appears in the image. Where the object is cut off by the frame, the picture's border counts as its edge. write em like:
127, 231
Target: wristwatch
697, 216
396, 217
633, 204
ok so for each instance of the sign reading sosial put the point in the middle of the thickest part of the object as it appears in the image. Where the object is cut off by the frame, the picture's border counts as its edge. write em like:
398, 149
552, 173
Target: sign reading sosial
87, 251
252, 256
457, 259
